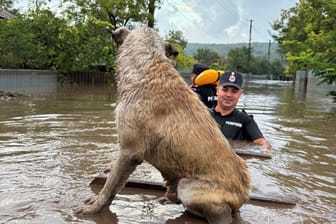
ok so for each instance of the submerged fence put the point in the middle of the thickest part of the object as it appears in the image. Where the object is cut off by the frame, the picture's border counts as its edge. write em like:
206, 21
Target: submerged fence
31, 81
91, 78
27, 81
38, 81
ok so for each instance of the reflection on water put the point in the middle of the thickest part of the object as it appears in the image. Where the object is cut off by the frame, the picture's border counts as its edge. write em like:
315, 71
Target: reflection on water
52, 146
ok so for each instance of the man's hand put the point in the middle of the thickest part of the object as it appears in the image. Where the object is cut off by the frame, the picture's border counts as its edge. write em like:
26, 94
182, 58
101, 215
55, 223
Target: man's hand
265, 145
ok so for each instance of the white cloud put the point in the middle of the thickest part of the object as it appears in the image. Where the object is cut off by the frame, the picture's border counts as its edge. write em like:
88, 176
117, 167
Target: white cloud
218, 21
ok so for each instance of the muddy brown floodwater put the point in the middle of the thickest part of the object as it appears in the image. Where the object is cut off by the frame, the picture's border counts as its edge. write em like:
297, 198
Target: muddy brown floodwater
52, 145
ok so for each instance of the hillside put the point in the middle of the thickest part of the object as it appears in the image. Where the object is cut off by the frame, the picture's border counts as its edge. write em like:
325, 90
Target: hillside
258, 48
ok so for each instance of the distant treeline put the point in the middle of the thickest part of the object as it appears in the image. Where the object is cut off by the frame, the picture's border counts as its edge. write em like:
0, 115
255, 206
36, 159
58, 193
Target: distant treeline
259, 49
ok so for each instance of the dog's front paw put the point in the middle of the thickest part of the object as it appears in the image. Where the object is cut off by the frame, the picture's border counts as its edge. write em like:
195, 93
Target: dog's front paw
165, 201
91, 208
85, 210
91, 200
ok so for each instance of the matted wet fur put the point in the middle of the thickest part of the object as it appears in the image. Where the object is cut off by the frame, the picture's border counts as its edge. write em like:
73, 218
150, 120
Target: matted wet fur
162, 121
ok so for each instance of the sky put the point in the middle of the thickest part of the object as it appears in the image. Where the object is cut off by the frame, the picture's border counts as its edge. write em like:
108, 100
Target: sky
215, 21
221, 21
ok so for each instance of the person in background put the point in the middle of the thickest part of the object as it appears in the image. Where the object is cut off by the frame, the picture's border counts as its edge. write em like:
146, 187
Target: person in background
235, 124
207, 92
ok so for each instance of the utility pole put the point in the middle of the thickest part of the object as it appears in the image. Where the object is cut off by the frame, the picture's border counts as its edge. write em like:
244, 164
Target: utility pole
249, 48
269, 60
269, 50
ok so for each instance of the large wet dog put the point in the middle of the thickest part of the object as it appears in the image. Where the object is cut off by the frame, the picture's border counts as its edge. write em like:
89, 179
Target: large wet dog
162, 121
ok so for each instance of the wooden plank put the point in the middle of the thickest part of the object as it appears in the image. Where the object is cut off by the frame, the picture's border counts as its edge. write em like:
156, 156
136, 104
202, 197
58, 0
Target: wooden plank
277, 200
160, 186
245, 153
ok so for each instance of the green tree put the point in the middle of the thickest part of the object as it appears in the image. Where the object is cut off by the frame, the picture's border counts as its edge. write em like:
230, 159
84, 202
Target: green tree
277, 68
78, 38
307, 34
183, 60
176, 38
45, 28
152, 6
259, 66
95, 20
16, 43
237, 59
83, 47
40, 40
30, 41
210, 57
114, 13
6, 4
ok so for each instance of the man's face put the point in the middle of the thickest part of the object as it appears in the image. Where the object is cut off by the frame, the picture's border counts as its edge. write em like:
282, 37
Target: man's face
228, 96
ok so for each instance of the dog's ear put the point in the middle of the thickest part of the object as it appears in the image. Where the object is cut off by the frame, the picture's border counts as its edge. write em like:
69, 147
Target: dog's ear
119, 35
170, 50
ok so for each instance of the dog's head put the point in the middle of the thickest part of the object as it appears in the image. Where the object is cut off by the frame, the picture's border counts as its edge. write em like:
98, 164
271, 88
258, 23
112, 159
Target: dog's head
120, 35
171, 50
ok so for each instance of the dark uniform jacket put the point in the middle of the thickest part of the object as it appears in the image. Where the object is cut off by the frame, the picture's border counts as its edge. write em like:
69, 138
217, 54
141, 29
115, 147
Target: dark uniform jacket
238, 125
207, 94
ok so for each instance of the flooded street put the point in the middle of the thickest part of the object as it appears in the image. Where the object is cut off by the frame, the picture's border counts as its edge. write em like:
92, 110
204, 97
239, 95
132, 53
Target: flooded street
52, 145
